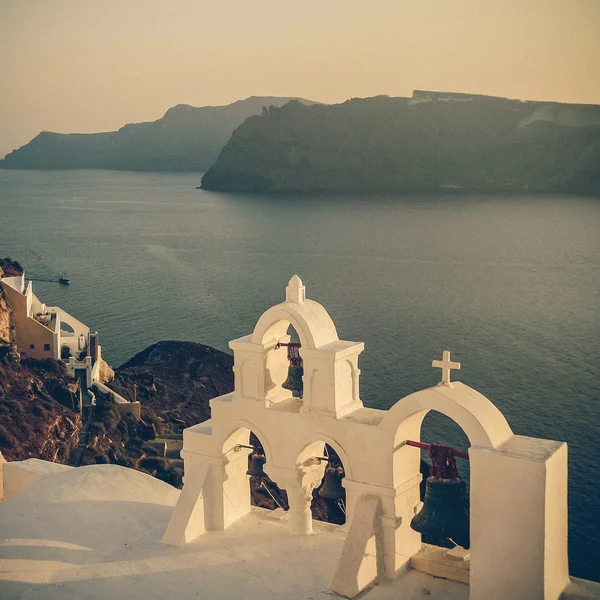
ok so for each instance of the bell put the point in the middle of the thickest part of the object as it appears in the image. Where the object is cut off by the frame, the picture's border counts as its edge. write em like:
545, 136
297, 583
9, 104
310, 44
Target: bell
332, 487
256, 466
444, 517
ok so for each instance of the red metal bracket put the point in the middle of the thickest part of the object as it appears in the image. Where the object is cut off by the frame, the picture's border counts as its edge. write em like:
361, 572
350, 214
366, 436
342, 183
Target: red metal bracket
428, 447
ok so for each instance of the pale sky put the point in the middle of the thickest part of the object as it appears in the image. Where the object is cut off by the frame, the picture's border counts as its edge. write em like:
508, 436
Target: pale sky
95, 65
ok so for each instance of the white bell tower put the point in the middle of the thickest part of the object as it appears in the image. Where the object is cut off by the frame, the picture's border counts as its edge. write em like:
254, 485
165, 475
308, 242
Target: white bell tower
331, 373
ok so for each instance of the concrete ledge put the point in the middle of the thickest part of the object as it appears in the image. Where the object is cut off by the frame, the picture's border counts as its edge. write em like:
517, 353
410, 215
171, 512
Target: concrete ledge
440, 562
2, 463
276, 515
581, 589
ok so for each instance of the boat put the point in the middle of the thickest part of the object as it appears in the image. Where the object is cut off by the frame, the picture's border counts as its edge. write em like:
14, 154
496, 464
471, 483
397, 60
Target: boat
63, 279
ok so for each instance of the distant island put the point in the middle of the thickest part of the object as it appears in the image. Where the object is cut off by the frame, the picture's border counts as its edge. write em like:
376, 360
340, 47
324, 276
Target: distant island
434, 141
186, 138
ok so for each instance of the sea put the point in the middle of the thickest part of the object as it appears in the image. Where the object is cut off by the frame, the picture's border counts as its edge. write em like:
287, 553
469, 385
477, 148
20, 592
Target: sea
510, 284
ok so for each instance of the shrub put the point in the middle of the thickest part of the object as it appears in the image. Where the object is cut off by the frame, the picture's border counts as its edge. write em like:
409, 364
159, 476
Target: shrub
38, 410
153, 464
7, 438
97, 429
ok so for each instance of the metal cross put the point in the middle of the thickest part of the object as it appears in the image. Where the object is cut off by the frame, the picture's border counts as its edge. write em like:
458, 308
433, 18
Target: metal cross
446, 365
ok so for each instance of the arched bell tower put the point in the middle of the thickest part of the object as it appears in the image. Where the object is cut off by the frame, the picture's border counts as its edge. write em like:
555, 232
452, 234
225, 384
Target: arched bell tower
331, 373
516, 552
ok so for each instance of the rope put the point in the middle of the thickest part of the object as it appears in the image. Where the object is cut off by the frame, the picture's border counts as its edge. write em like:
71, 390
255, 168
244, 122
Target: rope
268, 492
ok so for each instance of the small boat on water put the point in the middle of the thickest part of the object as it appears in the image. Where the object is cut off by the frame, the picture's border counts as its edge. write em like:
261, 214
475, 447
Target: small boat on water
63, 279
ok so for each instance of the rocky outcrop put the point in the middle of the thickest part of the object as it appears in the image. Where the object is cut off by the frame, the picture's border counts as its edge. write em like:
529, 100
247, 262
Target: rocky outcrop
186, 138
5, 320
430, 142
174, 382
10, 267
105, 372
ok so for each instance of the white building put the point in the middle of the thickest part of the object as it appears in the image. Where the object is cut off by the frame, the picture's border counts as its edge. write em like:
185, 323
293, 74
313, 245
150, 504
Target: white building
42, 331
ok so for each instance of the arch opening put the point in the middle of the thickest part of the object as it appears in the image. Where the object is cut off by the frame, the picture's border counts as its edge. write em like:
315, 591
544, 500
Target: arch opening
66, 328
328, 502
295, 371
284, 364
247, 478
264, 492
439, 495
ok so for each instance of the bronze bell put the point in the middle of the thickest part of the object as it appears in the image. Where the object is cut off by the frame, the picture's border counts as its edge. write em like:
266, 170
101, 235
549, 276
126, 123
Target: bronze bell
256, 466
444, 517
332, 487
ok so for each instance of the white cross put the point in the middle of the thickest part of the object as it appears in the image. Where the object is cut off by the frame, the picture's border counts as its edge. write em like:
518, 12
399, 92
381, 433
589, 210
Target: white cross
446, 365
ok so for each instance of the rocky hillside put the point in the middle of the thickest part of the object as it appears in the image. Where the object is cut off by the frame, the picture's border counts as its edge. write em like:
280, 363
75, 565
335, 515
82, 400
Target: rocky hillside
175, 381
37, 397
430, 142
35, 415
187, 138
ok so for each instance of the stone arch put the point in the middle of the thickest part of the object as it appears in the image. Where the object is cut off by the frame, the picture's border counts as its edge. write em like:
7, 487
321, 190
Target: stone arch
233, 481
481, 421
303, 448
312, 322
241, 424
312, 474
314, 327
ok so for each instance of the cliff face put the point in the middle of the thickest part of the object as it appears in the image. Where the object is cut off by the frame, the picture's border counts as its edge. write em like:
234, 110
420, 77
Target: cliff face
431, 142
187, 138
5, 319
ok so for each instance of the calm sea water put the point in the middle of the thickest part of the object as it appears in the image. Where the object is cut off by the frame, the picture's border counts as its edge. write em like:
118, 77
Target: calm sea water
510, 285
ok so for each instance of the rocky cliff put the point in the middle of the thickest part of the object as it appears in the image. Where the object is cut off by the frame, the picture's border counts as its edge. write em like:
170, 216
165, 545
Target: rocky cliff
187, 138
431, 142
174, 382
8, 268
35, 421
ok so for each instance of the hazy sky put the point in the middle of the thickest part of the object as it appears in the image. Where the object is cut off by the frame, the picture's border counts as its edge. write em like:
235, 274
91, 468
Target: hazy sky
94, 65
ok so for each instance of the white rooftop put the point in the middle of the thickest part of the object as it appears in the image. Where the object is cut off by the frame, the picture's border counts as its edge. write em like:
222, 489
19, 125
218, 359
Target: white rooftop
95, 533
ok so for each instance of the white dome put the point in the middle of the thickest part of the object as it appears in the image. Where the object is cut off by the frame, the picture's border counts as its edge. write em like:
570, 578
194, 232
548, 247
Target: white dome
82, 515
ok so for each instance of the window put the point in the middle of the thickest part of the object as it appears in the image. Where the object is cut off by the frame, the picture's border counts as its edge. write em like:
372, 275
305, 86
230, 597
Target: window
32, 346
47, 347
